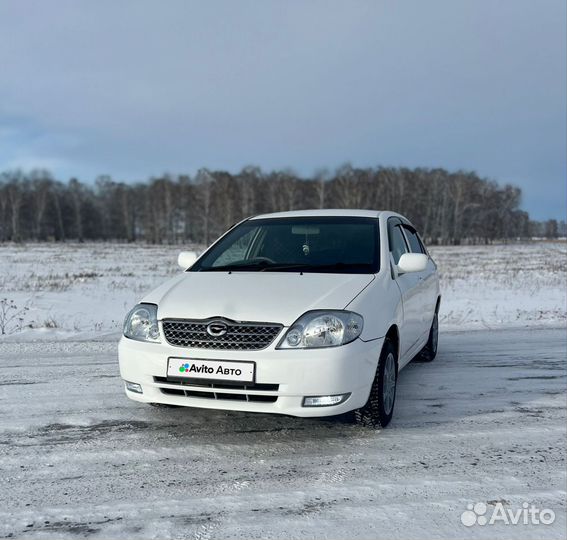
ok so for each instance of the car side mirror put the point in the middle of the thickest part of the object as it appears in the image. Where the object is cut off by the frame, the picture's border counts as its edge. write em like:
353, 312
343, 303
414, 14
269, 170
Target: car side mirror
186, 259
412, 262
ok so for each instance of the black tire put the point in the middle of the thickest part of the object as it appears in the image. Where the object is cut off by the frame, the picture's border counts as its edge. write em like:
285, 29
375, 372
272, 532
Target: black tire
429, 352
376, 413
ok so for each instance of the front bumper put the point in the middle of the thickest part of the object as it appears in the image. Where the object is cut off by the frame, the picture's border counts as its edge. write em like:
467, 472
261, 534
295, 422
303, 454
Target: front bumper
297, 374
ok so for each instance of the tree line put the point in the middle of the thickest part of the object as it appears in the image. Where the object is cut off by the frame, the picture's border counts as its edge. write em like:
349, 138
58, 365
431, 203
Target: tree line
446, 207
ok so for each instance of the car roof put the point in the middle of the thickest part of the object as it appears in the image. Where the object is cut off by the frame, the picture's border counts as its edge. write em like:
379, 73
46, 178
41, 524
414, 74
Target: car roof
321, 213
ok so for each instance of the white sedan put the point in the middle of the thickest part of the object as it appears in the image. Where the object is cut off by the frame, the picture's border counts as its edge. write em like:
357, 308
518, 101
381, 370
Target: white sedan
308, 313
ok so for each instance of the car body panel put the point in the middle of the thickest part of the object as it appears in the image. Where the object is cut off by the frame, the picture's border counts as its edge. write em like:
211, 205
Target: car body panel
278, 297
299, 373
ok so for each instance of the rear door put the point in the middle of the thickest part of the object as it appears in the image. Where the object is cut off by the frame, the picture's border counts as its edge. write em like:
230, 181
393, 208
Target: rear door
409, 289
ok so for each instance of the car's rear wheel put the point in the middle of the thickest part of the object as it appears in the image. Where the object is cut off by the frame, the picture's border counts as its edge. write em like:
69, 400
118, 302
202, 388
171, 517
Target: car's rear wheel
379, 409
429, 352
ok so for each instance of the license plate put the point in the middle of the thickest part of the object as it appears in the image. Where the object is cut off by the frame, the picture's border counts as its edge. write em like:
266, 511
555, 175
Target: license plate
214, 370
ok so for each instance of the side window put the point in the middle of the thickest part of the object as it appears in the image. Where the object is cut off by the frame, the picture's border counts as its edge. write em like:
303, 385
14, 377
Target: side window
397, 242
413, 239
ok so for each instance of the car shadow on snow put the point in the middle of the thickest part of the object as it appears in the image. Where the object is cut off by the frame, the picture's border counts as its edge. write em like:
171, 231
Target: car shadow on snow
462, 383
467, 382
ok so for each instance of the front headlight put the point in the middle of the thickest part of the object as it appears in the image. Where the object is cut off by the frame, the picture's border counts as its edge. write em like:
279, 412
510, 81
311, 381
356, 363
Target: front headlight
141, 323
318, 329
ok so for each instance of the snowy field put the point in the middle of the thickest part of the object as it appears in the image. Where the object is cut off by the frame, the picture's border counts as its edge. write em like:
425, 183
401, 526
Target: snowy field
484, 423
84, 290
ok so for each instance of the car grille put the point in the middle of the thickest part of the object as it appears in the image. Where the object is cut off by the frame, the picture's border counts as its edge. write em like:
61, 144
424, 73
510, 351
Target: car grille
207, 390
239, 336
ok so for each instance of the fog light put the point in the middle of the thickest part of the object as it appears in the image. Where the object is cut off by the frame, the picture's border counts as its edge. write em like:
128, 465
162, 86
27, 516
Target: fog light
133, 387
324, 401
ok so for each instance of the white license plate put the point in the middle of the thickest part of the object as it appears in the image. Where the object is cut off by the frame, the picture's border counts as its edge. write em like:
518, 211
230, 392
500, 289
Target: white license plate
213, 370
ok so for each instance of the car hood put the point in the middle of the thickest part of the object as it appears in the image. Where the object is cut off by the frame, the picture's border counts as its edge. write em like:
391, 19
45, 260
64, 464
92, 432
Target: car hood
254, 296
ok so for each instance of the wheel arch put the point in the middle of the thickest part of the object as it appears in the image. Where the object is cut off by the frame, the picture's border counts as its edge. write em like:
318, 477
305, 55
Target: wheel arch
393, 335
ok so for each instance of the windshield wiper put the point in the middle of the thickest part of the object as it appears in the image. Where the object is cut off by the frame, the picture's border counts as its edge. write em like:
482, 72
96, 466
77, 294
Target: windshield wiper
340, 267
286, 266
305, 267
266, 266
240, 265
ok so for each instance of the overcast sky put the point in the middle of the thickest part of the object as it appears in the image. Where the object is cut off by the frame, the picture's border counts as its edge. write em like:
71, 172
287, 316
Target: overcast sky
138, 88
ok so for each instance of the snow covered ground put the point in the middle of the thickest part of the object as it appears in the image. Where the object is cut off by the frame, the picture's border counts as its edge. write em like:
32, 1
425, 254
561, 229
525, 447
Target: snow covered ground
503, 285
484, 423
84, 290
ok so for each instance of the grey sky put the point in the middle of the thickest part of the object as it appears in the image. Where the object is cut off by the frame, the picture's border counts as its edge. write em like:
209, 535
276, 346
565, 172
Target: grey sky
138, 88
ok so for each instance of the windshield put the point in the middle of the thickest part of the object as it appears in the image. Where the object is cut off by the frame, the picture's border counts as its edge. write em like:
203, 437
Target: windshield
344, 245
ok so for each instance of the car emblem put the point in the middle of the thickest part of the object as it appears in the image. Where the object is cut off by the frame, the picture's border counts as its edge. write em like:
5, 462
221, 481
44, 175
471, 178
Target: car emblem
217, 329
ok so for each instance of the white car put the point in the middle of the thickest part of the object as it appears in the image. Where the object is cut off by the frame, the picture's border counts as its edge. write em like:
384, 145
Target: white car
308, 313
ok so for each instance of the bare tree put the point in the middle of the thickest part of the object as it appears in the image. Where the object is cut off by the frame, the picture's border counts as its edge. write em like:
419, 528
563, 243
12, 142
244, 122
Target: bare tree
446, 206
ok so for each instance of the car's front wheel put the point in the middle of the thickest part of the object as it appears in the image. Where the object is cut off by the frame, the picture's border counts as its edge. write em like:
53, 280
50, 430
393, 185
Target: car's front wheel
379, 409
